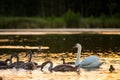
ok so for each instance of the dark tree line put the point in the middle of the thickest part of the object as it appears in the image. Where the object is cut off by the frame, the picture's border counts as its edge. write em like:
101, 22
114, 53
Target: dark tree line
45, 8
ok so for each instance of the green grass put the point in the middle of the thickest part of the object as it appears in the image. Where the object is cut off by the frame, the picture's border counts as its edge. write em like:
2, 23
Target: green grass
59, 22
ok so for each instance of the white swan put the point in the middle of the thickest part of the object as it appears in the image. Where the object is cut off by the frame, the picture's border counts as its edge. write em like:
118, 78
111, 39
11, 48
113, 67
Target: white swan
88, 62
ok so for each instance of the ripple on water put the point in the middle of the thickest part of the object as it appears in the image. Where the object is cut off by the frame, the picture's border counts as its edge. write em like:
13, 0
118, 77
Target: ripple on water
100, 74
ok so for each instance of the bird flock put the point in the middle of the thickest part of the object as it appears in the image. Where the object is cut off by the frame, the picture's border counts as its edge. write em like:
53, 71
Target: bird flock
87, 63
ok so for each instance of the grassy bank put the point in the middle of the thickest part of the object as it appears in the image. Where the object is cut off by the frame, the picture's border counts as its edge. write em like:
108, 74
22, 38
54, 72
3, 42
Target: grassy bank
71, 21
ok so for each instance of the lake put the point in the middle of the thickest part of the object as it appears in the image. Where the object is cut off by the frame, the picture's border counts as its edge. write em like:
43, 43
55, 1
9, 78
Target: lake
99, 74
56, 43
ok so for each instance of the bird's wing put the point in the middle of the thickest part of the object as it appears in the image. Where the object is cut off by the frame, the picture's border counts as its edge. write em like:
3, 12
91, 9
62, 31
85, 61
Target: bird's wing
63, 67
96, 64
89, 60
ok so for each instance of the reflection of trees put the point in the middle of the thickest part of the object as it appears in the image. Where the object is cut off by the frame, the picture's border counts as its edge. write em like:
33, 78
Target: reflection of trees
64, 43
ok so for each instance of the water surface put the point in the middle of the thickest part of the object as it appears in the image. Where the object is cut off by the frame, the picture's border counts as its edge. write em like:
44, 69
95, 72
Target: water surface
99, 74
103, 43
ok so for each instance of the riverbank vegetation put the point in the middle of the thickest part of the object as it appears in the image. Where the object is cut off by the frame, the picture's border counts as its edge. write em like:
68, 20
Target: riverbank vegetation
59, 14
69, 20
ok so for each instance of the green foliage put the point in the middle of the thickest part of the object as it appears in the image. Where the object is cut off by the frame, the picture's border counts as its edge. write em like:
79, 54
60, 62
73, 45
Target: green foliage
117, 15
23, 22
71, 19
58, 23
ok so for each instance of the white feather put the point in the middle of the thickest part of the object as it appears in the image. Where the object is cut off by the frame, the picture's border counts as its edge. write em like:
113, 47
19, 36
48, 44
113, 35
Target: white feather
88, 62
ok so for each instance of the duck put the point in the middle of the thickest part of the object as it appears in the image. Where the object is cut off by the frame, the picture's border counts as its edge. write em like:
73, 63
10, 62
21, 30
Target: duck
89, 62
111, 69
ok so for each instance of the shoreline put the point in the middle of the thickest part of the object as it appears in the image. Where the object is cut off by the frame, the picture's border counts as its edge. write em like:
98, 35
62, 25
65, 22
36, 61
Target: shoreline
58, 31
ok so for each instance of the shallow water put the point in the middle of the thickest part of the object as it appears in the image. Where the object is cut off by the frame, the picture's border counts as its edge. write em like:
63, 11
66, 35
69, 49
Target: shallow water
99, 74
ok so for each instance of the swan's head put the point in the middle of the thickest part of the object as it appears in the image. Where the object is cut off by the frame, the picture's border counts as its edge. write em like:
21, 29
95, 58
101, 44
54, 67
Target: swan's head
29, 52
77, 45
14, 55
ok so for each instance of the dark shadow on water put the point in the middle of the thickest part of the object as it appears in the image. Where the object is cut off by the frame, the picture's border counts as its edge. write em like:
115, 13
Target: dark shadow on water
91, 69
64, 42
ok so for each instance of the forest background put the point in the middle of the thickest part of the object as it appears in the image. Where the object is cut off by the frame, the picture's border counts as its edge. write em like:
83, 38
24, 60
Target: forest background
59, 14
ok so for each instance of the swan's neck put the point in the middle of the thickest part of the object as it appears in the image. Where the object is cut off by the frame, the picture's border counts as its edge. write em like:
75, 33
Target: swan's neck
17, 59
50, 67
15, 56
30, 57
78, 56
17, 64
63, 61
10, 60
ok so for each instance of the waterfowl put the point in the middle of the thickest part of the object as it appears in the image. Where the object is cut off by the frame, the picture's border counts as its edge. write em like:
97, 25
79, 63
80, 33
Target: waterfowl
59, 68
30, 65
29, 53
63, 59
4, 64
111, 69
17, 64
39, 49
88, 62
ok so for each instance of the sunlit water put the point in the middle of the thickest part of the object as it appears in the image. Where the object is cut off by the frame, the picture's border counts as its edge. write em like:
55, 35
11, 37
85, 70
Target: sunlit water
100, 74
